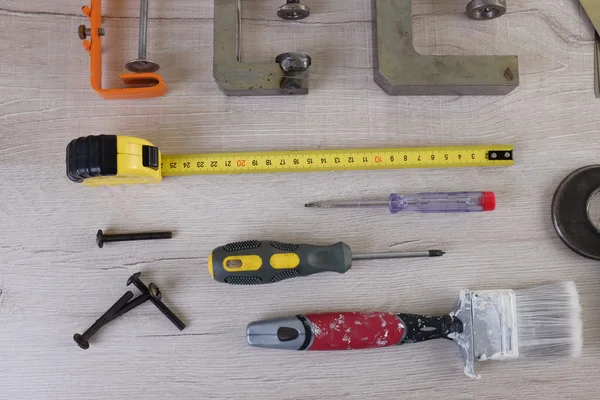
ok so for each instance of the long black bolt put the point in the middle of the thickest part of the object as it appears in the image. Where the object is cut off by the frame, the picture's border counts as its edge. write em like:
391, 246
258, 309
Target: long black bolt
82, 340
141, 299
155, 298
102, 238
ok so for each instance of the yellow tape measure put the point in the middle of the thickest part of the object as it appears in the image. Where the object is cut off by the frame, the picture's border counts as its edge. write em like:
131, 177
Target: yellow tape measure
113, 160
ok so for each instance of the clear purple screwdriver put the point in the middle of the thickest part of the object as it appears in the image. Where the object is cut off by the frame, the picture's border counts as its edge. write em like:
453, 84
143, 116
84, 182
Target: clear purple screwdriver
422, 202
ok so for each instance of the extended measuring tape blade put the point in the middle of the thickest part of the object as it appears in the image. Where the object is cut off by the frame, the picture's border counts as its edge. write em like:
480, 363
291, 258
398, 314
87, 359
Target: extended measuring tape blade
114, 160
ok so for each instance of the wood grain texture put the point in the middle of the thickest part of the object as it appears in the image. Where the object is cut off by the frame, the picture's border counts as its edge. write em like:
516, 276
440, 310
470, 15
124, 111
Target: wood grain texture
55, 282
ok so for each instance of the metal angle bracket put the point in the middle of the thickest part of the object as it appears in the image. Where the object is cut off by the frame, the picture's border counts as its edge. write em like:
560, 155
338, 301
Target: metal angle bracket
400, 70
287, 75
592, 9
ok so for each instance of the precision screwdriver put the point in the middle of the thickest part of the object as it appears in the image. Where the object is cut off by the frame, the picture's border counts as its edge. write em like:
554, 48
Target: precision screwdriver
422, 202
256, 262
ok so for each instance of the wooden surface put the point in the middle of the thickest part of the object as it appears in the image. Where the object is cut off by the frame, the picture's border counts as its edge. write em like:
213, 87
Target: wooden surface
54, 281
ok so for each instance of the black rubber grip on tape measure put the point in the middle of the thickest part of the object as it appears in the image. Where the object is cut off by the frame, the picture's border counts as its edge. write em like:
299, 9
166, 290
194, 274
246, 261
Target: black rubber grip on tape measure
91, 156
266, 264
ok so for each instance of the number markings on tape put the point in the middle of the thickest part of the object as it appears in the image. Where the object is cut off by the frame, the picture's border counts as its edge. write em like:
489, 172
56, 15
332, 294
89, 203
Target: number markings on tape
332, 160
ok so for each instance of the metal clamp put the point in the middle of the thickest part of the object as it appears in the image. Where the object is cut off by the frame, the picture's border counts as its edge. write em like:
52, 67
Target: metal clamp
141, 85
400, 70
287, 75
592, 9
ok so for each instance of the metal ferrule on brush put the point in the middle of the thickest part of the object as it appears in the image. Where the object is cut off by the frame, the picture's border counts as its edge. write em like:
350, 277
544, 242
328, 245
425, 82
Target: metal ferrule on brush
543, 321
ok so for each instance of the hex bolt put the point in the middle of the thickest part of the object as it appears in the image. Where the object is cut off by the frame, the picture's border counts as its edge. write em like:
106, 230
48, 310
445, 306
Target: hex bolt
293, 10
155, 298
102, 238
82, 339
294, 62
85, 32
142, 64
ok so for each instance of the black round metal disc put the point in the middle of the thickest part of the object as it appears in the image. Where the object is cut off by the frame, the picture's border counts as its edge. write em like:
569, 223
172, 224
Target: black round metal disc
570, 211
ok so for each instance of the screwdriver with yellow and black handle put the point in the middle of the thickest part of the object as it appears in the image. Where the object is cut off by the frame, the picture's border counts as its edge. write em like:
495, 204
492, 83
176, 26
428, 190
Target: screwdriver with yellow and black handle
256, 262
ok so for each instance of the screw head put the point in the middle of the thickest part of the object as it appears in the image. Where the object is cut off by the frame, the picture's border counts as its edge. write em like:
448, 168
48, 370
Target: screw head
139, 66
133, 278
100, 238
486, 9
155, 291
84, 344
293, 11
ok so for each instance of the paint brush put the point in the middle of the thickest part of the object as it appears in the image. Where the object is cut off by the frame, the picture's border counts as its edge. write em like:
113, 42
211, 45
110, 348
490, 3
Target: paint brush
487, 325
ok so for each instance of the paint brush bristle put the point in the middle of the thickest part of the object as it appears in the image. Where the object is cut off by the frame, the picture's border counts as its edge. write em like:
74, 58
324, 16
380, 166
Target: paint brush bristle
549, 321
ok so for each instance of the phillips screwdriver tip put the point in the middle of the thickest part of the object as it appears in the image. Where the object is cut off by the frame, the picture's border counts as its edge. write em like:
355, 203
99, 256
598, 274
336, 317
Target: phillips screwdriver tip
436, 253
328, 204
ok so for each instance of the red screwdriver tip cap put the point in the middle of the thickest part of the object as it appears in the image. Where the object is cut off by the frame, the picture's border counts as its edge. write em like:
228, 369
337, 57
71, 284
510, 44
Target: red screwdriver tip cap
488, 201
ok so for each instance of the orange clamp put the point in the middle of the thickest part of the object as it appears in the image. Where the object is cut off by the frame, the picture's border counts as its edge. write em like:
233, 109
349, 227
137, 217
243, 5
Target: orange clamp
140, 85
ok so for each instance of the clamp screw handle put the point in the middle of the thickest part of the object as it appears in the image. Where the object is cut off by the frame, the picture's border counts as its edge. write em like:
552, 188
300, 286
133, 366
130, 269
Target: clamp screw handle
84, 32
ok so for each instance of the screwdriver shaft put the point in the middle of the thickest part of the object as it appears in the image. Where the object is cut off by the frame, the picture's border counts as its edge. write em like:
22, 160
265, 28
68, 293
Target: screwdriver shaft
349, 203
405, 254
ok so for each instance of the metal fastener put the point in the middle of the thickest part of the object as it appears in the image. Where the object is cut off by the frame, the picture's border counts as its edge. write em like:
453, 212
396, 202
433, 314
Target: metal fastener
142, 64
293, 10
102, 238
155, 298
138, 301
83, 339
486, 9
294, 62
85, 32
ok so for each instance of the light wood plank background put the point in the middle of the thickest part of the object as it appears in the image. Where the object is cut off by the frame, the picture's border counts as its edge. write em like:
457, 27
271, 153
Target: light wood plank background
54, 281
